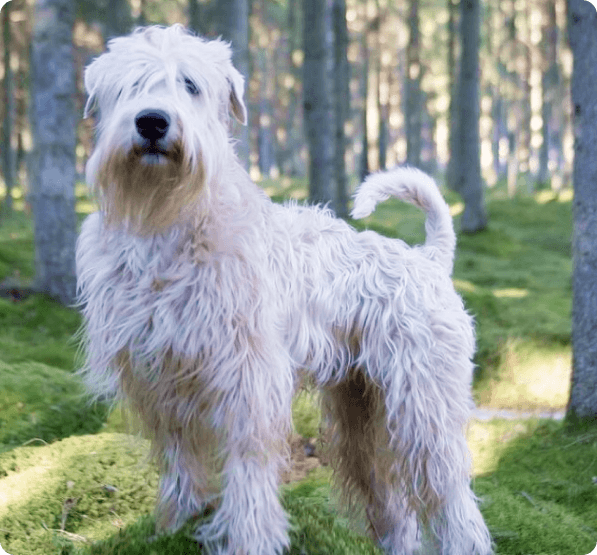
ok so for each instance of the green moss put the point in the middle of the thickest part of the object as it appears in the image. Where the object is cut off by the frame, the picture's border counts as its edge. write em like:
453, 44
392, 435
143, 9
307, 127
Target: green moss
85, 495
43, 403
16, 247
38, 329
89, 486
535, 479
541, 498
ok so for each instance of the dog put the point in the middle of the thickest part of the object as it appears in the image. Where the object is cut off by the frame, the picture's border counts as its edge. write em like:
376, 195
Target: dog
205, 305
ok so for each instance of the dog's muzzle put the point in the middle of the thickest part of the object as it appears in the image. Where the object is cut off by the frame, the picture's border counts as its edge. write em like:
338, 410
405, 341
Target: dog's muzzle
152, 126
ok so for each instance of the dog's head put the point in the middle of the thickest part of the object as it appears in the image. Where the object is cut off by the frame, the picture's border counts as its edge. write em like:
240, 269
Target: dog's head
162, 98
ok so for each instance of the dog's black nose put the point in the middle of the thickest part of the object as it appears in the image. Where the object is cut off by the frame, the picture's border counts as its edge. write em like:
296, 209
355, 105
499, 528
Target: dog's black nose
152, 124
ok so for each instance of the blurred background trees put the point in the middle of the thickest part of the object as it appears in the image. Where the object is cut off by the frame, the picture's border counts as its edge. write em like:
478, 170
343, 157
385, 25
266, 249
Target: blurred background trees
394, 90
476, 93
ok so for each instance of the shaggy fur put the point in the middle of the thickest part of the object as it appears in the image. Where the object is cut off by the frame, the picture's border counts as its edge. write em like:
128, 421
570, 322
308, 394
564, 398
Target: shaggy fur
205, 305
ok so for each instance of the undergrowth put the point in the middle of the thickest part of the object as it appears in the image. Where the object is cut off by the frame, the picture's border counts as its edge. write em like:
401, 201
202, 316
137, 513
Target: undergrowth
67, 489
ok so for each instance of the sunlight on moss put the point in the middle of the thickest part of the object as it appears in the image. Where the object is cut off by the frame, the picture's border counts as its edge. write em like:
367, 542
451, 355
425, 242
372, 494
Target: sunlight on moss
271, 190
464, 285
285, 188
81, 189
16, 193
36, 481
511, 293
530, 376
86, 207
299, 194
549, 195
543, 197
456, 209
20, 489
488, 441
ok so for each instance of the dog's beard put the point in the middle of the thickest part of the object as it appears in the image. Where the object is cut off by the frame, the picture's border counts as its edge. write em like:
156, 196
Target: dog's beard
149, 192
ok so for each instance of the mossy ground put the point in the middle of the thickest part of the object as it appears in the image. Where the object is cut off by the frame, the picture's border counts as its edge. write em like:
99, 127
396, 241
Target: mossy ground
71, 483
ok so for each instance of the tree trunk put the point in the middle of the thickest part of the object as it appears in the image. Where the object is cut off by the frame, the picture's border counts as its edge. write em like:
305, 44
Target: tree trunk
453, 170
53, 89
364, 93
582, 21
413, 89
512, 169
525, 129
233, 26
8, 158
294, 165
266, 127
194, 17
474, 217
317, 100
342, 105
550, 81
118, 19
381, 90
499, 129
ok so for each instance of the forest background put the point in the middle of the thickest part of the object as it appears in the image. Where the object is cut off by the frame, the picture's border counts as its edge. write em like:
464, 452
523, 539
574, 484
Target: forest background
479, 94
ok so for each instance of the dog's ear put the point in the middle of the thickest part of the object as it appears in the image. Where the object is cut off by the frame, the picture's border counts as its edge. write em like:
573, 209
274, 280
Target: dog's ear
237, 105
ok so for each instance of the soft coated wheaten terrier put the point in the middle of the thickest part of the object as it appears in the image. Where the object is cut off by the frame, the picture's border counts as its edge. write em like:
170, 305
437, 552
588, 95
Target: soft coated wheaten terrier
205, 304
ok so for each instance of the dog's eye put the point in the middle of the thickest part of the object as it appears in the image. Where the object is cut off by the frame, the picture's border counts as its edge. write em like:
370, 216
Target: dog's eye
191, 87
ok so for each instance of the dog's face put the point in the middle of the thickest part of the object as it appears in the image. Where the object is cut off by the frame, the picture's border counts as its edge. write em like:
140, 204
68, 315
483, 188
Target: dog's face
162, 99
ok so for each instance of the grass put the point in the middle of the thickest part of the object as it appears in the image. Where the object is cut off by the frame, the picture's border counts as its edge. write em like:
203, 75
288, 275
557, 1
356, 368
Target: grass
541, 498
71, 482
93, 495
43, 403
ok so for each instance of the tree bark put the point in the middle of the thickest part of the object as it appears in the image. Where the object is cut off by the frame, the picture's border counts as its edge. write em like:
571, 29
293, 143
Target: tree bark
233, 26
8, 158
54, 125
342, 107
582, 22
194, 20
550, 81
293, 163
364, 93
413, 89
266, 127
474, 217
317, 100
453, 171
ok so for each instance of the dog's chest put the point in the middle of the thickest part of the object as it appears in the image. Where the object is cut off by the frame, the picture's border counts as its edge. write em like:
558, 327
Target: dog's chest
148, 300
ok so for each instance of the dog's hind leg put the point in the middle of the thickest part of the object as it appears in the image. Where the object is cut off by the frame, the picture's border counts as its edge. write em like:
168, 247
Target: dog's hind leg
427, 410
359, 453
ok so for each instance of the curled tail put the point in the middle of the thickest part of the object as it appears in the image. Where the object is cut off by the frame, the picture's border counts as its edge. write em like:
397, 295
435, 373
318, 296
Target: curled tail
415, 187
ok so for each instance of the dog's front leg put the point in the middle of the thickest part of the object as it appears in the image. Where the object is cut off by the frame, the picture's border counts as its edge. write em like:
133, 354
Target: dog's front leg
253, 415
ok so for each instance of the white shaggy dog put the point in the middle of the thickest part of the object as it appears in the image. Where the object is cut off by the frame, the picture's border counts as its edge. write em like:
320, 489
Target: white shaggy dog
205, 305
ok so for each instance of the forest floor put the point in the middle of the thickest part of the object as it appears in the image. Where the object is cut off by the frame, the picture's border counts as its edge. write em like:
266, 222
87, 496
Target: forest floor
74, 480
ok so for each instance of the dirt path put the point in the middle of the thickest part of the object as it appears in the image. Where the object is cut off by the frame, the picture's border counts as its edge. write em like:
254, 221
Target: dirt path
487, 413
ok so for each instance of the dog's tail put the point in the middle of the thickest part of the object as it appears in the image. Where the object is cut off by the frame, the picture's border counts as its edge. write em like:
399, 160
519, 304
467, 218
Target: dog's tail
415, 187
